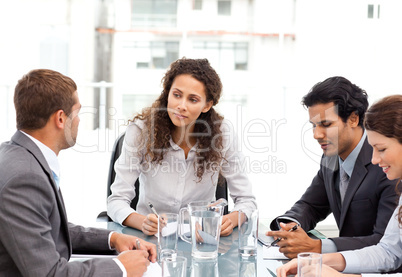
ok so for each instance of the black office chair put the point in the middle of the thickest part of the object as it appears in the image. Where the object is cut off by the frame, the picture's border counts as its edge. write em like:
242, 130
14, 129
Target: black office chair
221, 188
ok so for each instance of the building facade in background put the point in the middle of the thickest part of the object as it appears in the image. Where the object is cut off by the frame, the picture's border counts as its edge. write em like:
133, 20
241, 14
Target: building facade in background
269, 53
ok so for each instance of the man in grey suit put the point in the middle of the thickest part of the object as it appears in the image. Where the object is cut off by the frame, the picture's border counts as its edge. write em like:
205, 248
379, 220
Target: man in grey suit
357, 192
36, 238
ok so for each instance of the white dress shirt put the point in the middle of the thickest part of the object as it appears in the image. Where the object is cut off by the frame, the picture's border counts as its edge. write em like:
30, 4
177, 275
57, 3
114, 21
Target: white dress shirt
49, 154
383, 257
172, 184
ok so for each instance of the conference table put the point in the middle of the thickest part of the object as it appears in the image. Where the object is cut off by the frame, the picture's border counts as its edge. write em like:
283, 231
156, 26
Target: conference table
227, 264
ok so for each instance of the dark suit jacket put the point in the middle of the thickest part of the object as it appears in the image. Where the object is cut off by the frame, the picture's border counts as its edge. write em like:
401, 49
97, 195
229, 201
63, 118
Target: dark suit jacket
368, 205
35, 237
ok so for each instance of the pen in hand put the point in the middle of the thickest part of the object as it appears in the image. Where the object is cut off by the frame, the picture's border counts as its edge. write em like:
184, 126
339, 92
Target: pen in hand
279, 239
153, 210
138, 245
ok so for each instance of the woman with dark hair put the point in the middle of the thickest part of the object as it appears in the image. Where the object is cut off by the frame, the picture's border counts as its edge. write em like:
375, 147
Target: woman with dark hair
178, 147
383, 122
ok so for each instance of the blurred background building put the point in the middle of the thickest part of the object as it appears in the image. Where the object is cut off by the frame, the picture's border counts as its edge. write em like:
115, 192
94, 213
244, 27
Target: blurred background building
269, 53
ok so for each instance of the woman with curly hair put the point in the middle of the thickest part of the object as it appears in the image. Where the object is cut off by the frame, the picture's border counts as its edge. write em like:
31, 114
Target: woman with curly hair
383, 122
178, 147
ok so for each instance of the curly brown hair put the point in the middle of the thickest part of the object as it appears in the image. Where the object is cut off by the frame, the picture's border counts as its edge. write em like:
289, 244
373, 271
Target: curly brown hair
159, 127
385, 118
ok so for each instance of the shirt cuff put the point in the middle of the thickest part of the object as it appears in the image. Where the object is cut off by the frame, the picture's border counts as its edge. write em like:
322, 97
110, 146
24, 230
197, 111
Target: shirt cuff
328, 246
122, 214
123, 269
286, 219
352, 262
108, 241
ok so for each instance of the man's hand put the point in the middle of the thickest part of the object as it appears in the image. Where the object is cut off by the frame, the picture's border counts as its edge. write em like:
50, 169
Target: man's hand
122, 242
135, 262
150, 225
292, 243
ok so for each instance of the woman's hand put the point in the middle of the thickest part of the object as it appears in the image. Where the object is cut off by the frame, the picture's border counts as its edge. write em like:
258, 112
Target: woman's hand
227, 226
287, 269
229, 222
150, 225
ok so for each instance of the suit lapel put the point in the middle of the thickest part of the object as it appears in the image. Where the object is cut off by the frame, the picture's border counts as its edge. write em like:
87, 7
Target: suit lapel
22, 140
359, 172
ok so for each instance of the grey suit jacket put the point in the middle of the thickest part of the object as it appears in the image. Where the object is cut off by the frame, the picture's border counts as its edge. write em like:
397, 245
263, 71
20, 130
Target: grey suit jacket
368, 205
35, 236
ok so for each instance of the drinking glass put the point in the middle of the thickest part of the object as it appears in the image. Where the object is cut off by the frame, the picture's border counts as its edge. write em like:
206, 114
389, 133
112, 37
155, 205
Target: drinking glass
248, 232
309, 264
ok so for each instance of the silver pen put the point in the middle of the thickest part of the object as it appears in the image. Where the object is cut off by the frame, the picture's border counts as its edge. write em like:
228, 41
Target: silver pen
138, 244
153, 209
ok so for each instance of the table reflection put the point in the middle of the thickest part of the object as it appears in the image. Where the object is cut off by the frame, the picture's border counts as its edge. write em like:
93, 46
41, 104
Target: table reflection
227, 264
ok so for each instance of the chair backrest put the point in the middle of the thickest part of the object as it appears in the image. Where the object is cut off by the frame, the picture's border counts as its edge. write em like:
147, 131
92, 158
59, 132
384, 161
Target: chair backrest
221, 187
112, 174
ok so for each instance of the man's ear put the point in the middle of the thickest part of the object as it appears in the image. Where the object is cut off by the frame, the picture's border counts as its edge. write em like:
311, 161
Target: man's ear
208, 106
59, 118
354, 119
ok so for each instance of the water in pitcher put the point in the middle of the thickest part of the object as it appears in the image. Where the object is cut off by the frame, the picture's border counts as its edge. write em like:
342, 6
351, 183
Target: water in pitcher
205, 233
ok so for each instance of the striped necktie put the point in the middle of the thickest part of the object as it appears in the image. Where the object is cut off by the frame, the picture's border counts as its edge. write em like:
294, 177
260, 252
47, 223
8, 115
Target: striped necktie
343, 183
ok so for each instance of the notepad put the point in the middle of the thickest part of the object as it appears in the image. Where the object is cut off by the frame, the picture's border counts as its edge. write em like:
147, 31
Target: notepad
272, 253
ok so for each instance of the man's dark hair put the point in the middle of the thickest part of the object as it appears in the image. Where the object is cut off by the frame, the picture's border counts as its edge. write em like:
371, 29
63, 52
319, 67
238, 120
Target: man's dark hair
39, 94
347, 97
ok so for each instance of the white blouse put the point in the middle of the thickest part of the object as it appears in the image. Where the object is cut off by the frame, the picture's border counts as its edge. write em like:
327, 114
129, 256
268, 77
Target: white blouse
172, 184
383, 257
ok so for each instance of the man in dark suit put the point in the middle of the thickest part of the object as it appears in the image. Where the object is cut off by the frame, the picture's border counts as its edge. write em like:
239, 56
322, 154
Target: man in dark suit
357, 192
36, 238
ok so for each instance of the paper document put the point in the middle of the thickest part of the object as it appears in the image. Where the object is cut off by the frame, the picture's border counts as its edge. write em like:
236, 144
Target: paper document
172, 227
153, 270
272, 253
83, 257
169, 229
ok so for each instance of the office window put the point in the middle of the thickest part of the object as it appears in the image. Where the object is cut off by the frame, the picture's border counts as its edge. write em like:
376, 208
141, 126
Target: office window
373, 11
370, 11
152, 54
241, 55
197, 5
224, 7
224, 55
154, 13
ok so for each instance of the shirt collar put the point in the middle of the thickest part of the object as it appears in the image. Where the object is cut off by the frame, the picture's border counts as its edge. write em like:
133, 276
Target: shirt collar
50, 156
176, 147
349, 163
